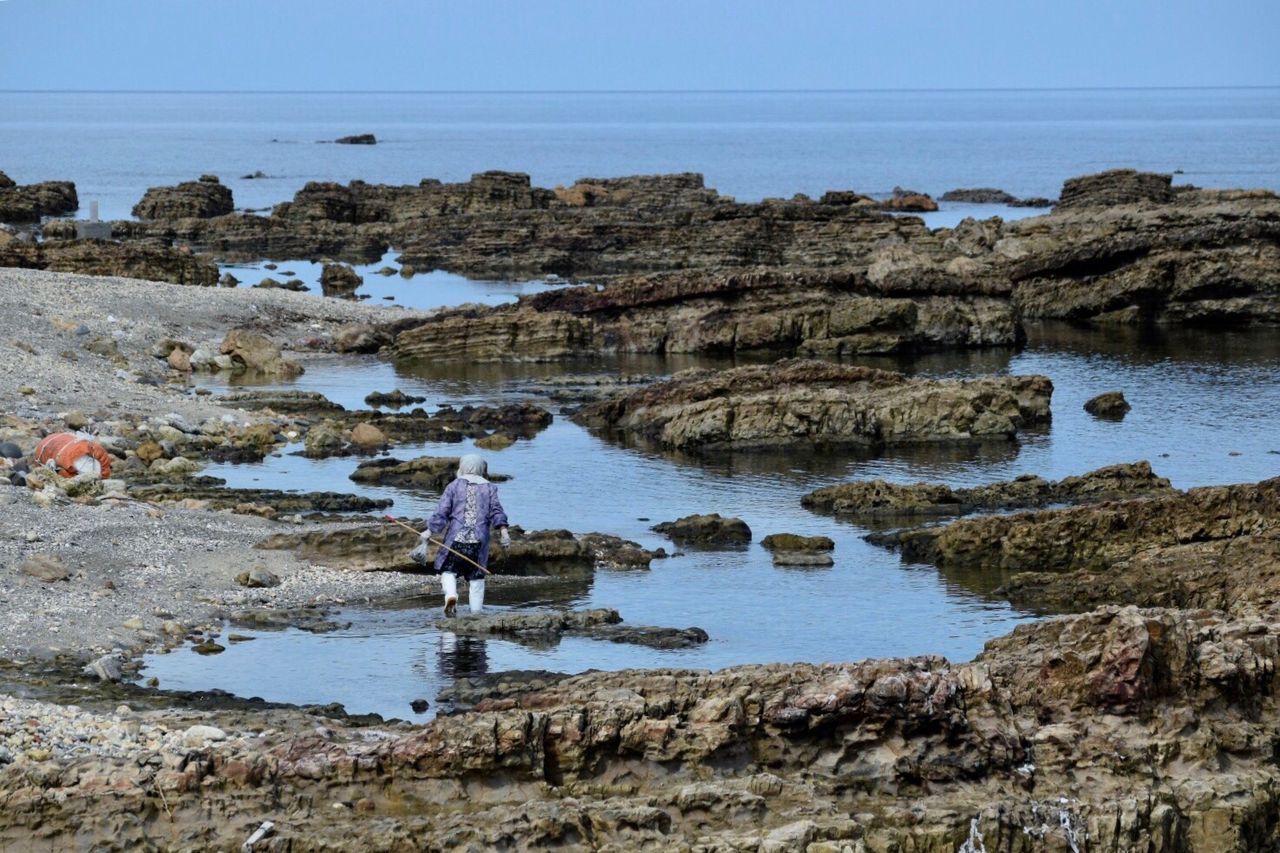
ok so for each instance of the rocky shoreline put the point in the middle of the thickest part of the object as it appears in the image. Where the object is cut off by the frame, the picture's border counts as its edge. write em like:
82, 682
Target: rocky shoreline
1144, 720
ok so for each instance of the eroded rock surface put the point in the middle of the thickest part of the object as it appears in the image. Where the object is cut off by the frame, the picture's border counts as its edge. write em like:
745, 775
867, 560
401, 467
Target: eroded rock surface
201, 199
880, 499
912, 753
104, 257
815, 402
544, 629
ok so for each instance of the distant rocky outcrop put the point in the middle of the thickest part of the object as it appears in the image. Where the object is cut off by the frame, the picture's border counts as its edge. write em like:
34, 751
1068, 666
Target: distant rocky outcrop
1115, 187
812, 402
31, 202
991, 195
357, 139
201, 199
908, 201
871, 499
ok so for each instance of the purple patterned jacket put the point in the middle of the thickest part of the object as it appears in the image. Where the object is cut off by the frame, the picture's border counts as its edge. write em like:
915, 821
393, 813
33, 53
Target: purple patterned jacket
449, 512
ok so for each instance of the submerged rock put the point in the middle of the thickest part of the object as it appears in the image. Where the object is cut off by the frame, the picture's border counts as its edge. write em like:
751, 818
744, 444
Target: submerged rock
794, 542
812, 402
394, 400
712, 529
880, 499
548, 628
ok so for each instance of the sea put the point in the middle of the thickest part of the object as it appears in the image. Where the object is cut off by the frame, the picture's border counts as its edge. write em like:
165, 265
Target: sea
1204, 402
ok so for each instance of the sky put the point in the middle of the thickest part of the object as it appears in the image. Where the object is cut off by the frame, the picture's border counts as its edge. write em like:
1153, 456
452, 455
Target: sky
610, 45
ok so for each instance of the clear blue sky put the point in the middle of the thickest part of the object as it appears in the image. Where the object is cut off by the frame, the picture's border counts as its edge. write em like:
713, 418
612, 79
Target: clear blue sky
654, 44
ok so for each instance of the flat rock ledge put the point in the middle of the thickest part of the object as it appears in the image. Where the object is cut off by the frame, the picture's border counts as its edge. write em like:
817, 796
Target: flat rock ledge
877, 499
798, 401
546, 629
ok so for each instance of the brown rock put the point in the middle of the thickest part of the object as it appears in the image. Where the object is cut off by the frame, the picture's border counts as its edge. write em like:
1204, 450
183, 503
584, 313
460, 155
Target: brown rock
712, 529
257, 352
48, 568
367, 435
1110, 405
201, 199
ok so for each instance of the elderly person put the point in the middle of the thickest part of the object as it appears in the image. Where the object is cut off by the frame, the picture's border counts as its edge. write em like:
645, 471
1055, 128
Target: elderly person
468, 512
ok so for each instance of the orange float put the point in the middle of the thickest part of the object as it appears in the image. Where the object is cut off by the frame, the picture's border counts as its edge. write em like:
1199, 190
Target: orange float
72, 455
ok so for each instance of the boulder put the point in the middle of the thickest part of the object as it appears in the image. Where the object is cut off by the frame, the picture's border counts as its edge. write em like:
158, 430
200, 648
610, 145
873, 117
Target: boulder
1110, 405
200, 199
712, 529
368, 436
255, 351
340, 280
258, 577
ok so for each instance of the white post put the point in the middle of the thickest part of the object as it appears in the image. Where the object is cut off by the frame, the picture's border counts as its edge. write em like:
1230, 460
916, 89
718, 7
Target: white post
93, 211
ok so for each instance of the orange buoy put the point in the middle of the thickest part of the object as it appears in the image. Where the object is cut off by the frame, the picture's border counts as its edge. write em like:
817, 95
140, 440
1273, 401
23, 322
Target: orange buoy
72, 455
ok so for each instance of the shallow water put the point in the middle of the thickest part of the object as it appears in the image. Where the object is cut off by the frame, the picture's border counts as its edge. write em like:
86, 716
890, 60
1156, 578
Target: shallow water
422, 290
1204, 405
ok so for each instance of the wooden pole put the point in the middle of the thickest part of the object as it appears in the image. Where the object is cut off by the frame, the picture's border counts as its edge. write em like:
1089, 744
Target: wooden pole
395, 520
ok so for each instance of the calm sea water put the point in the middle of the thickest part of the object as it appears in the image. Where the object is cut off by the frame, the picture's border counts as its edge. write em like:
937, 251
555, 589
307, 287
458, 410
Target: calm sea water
749, 145
1204, 403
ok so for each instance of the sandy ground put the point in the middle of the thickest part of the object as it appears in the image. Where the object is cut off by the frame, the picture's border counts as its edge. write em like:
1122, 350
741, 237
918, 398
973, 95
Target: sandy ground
134, 567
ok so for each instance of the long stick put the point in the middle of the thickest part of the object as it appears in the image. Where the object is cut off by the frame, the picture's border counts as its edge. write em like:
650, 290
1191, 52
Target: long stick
408, 527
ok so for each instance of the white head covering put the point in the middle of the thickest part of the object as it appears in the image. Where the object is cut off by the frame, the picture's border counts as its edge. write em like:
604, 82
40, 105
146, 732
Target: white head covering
473, 468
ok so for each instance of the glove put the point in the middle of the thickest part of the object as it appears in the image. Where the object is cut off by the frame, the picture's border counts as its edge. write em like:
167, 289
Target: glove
504, 536
424, 535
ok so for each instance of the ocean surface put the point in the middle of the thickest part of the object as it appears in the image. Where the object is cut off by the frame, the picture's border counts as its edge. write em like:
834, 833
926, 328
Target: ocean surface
1204, 402
749, 145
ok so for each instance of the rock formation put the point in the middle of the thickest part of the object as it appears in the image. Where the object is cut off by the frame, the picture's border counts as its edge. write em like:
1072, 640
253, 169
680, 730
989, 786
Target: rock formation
546, 629
1110, 404
1114, 187
200, 199
713, 529
103, 257
813, 402
340, 280
1107, 731
31, 202
878, 499
426, 473
357, 139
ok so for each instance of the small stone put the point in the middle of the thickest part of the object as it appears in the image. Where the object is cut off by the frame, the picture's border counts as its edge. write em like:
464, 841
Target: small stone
39, 754
75, 420
172, 628
208, 647
26, 390
106, 668
419, 706
257, 577
497, 441
133, 624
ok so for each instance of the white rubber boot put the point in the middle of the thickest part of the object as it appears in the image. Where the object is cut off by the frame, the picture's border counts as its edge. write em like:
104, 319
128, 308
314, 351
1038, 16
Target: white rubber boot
449, 583
475, 595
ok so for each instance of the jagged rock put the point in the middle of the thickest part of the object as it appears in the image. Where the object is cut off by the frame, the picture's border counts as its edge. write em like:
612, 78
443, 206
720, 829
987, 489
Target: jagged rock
31, 202
815, 402
340, 280
1114, 187
877, 498
200, 199
548, 628
712, 529
358, 139
256, 352
1111, 405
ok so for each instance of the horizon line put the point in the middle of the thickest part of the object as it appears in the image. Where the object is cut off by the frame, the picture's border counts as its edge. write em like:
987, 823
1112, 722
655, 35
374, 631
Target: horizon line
636, 91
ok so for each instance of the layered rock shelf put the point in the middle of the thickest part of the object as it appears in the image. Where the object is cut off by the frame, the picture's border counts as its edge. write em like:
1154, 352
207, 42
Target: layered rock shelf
875, 499
812, 402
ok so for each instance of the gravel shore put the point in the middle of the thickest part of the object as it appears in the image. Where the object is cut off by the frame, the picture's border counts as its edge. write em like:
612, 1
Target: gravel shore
138, 575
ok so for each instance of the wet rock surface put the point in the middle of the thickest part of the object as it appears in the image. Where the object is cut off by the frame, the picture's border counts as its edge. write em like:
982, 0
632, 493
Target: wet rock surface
538, 553
879, 499
711, 529
1110, 405
544, 629
811, 402
428, 473
942, 754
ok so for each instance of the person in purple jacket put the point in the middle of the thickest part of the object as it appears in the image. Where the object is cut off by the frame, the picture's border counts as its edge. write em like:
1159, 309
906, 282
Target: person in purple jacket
469, 510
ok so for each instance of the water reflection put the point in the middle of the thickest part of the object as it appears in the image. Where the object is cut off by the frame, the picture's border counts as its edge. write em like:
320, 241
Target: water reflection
461, 657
